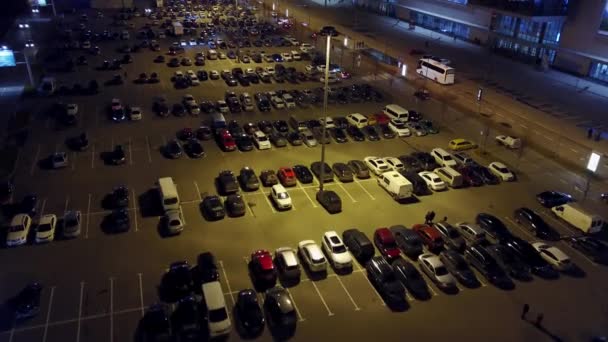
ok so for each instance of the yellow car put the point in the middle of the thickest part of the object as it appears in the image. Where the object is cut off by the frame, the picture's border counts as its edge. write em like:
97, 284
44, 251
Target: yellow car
461, 145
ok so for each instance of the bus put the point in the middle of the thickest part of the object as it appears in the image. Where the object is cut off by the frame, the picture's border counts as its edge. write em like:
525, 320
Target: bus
436, 71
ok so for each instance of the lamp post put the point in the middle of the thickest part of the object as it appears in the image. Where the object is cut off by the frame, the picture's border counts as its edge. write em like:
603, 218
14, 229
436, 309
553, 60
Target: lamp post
328, 33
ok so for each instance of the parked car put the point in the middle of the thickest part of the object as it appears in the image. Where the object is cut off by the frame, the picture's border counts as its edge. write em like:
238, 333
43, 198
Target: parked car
358, 244
312, 256
459, 268
385, 242
408, 241
481, 260
263, 272
328, 176
591, 247
409, 277
248, 179
430, 236
494, 227
269, 178
336, 251
526, 252
381, 275
227, 182
550, 199
303, 174
248, 312
535, 223
359, 169
235, 205
451, 236
212, 208
279, 309
288, 267
330, 201
434, 268
509, 262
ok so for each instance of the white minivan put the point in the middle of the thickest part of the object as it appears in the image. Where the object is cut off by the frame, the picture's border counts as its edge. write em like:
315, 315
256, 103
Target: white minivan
218, 320
578, 217
450, 176
168, 193
396, 112
443, 158
396, 185
357, 119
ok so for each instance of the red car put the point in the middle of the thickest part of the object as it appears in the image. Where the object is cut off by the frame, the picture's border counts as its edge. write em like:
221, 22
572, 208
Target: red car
430, 236
287, 176
381, 118
262, 268
225, 140
185, 134
385, 242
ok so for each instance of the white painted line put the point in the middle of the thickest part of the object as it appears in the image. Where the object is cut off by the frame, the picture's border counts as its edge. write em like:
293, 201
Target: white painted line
12, 333
141, 294
483, 284
537, 132
371, 285
35, 161
227, 282
134, 209
80, 311
42, 207
148, 149
563, 181
432, 290
524, 126
67, 203
357, 308
329, 313
198, 191
267, 200
573, 150
295, 306
365, 190
48, 315
519, 227
314, 205
111, 309
130, 152
86, 227
348, 193
93, 157
548, 138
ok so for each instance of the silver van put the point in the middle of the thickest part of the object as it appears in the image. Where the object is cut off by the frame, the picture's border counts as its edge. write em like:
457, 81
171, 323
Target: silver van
443, 158
296, 123
396, 112
450, 176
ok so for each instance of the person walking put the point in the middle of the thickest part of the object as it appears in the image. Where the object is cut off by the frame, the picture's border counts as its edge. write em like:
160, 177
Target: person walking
445, 219
589, 133
427, 217
431, 217
539, 320
525, 311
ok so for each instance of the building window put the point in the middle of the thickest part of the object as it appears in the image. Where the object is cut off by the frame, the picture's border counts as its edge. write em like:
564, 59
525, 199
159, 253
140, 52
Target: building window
440, 25
599, 71
552, 32
529, 30
504, 24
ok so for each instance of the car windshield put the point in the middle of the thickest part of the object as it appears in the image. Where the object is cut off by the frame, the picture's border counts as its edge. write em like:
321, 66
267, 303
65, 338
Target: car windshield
399, 124
217, 315
502, 169
71, 222
13, 229
441, 270
339, 249
44, 227
283, 195
453, 233
319, 260
175, 223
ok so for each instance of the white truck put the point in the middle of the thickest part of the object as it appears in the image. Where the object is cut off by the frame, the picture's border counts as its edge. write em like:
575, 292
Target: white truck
578, 217
508, 141
177, 28
396, 185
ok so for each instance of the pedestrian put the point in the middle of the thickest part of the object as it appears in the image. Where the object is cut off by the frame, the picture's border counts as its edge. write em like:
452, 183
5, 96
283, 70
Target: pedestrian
525, 310
445, 219
539, 320
427, 217
431, 217
598, 135
589, 133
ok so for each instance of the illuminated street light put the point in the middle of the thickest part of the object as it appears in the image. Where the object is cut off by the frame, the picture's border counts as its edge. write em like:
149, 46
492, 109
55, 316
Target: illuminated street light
24, 26
287, 12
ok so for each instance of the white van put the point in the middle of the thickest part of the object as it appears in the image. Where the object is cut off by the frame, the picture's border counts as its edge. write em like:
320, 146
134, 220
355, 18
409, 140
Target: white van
168, 193
579, 217
297, 124
396, 185
218, 320
211, 54
356, 119
396, 112
450, 176
443, 158
296, 55
218, 121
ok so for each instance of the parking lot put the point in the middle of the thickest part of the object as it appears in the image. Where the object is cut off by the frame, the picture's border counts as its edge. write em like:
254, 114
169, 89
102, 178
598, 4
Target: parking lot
98, 286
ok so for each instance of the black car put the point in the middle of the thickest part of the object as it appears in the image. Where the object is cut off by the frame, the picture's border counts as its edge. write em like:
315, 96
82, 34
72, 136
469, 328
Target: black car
244, 142
408, 241
194, 149
359, 169
451, 237
281, 126
593, 248
486, 175
173, 149
277, 139
178, 109
186, 320
382, 276
294, 138
419, 185
248, 313
330, 201
280, 309
177, 281
248, 179
303, 174
509, 262
227, 183
533, 222
355, 133
339, 135
120, 197
212, 208
265, 126
409, 276
371, 133
29, 205
411, 163
205, 270
426, 160
550, 199
386, 132
358, 244
327, 172
27, 303
119, 221
528, 254
470, 177
481, 260
155, 324
493, 226
459, 268
343, 172
117, 156
235, 205
204, 133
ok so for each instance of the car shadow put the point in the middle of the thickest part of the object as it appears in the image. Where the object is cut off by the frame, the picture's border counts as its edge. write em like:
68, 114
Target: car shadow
7, 314
150, 203
576, 272
240, 329
409, 200
314, 276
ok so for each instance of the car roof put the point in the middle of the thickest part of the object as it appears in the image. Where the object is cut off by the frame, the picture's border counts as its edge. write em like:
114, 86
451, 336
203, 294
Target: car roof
264, 258
431, 259
384, 234
289, 255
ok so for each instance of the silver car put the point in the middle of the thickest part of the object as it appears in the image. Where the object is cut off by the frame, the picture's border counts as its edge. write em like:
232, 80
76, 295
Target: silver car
174, 224
71, 223
308, 138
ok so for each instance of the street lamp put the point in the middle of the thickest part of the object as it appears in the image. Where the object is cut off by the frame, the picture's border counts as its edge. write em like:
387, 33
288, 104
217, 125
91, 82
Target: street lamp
329, 32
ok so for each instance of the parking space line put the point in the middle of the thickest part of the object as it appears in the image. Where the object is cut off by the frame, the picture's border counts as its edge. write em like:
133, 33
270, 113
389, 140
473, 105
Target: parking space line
227, 282
141, 293
365, 190
134, 209
12, 333
267, 200
80, 311
483, 284
295, 306
581, 254
42, 208
431, 288
111, 309
198, 191
148, 149
357, 308
329, 313
314, 205
67, 203
35, 161
86, 227
93, 156
130, 152
521, 229
348, 193
48, 315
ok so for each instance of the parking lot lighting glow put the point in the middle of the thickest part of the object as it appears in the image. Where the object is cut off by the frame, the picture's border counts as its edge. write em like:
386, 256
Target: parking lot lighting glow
594, 160
345, 41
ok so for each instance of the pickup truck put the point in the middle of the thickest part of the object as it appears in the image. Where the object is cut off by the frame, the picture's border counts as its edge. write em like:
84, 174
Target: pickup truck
508, 141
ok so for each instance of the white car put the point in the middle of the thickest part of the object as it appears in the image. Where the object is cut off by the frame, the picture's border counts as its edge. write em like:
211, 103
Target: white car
18, 230
45, 232
174, 224
432, 180
331, 78
328, 121
394, 163
261, 140
435, 269
280, 196
178, 74
501, 171
311, 69
287, 56
269, 70
194, 80
247, 102
249, 71
306, 47
308, 138
336, 251
376, 164
214, 74
116, 104
312, 256
287, 263
554, 256
277, 102
71, 224
189, 99
193, 109
135, 114
71, 109
59, 160
399, 127
222, 106
290, 102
